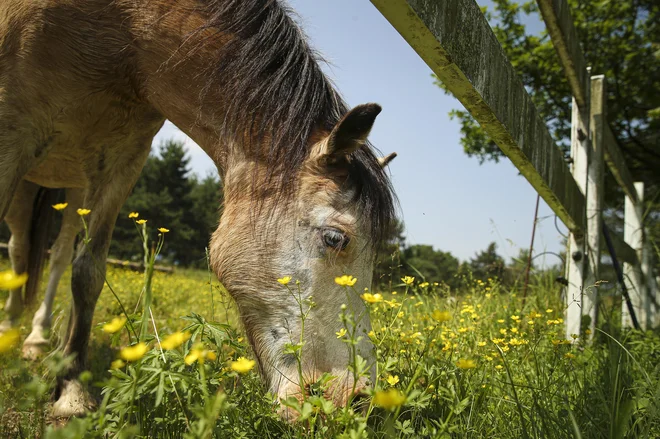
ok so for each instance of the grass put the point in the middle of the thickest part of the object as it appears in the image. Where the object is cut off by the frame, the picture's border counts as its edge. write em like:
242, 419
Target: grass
451, 364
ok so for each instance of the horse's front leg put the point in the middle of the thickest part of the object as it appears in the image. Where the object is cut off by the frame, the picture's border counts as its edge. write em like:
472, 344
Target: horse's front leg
104, 198
19, 219
60, 258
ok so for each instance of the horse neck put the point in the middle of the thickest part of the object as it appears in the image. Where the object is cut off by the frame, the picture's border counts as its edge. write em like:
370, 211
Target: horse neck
172, 68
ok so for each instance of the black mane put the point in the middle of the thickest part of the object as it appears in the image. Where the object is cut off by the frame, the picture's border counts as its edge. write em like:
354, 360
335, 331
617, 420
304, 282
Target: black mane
280, 95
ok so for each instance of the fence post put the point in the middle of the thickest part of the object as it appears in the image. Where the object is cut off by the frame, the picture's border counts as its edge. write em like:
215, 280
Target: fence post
633, 235
594, 197
576, 256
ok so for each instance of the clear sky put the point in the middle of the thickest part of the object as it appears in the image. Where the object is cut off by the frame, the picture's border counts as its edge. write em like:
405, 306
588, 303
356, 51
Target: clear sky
447, 199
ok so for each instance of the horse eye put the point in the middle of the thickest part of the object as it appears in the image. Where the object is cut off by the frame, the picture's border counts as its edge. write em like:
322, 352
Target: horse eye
335, 238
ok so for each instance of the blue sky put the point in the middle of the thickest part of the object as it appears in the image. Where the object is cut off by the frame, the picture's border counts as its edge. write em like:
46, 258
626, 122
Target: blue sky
447, 199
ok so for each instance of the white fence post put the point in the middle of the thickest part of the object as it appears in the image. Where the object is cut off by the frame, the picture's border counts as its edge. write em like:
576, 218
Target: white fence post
633, 235
576, 267
594, 197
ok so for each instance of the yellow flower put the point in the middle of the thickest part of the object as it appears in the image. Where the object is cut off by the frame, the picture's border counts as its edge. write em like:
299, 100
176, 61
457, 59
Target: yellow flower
424, 285
133, 215
199, 354
372, 298
515, 318
284, 280
141, 221
135, 352
175, 340
466, 364
389, 399
499, 367
372, 334
115, 325
242, 365
441, 316
503, 331
400, 315
549, 310
10, 280
569, 355
481, 343
408, 280
60, 206
500, 321
514, 330
392, 380
8, 340
117, 364
163, 230
346, 281
83, 212
488, 358
392, 303
341, 333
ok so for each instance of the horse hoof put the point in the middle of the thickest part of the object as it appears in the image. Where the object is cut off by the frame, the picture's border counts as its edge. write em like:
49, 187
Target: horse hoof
33, 351
73, 401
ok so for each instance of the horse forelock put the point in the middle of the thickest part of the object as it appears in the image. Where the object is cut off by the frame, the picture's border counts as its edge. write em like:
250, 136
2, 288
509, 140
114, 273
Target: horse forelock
280, 100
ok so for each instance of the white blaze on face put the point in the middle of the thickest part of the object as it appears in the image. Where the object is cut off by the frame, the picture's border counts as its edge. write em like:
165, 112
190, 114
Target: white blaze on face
307, 255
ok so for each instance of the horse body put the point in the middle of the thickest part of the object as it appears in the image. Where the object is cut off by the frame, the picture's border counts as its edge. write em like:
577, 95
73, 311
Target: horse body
86, 84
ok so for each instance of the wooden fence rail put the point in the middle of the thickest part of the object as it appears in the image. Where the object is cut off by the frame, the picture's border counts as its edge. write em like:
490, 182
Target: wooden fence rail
455, 40
135, 266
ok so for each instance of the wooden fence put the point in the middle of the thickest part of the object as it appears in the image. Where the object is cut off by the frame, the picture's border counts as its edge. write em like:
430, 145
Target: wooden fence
456, 42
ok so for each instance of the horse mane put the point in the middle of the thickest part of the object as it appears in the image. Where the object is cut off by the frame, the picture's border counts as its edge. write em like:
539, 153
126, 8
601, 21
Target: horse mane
280, 97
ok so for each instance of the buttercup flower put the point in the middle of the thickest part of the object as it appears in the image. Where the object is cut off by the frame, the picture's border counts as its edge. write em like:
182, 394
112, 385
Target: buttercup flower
341, 333
392, 380
346, 281
8, 340
60, 206
372, 298
83, 212
408, 280
441, 316
466, 364
163, 230
115, 325
10, 280
117, 364
135, 352
389, 399
200, 355
284, 280
242, 365
175, 340
133, 215
141, 221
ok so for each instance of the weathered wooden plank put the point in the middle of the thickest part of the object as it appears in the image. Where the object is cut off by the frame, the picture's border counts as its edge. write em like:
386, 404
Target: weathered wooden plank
577, 267
633, 234
624, 252
617, 165
456, 42
559, 23
135, 266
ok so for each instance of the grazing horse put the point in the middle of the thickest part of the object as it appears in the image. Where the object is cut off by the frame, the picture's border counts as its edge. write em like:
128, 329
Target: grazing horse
27, 219
86, 84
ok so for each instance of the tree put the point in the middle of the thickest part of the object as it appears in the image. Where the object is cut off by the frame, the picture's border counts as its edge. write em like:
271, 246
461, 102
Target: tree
620, 39
487, 264
167, 195
432, 265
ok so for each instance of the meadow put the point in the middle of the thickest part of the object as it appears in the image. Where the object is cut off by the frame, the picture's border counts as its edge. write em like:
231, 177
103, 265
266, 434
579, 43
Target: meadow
473, 362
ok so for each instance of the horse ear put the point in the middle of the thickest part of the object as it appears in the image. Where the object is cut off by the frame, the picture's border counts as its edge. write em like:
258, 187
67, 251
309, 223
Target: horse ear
384, 161
351, 132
